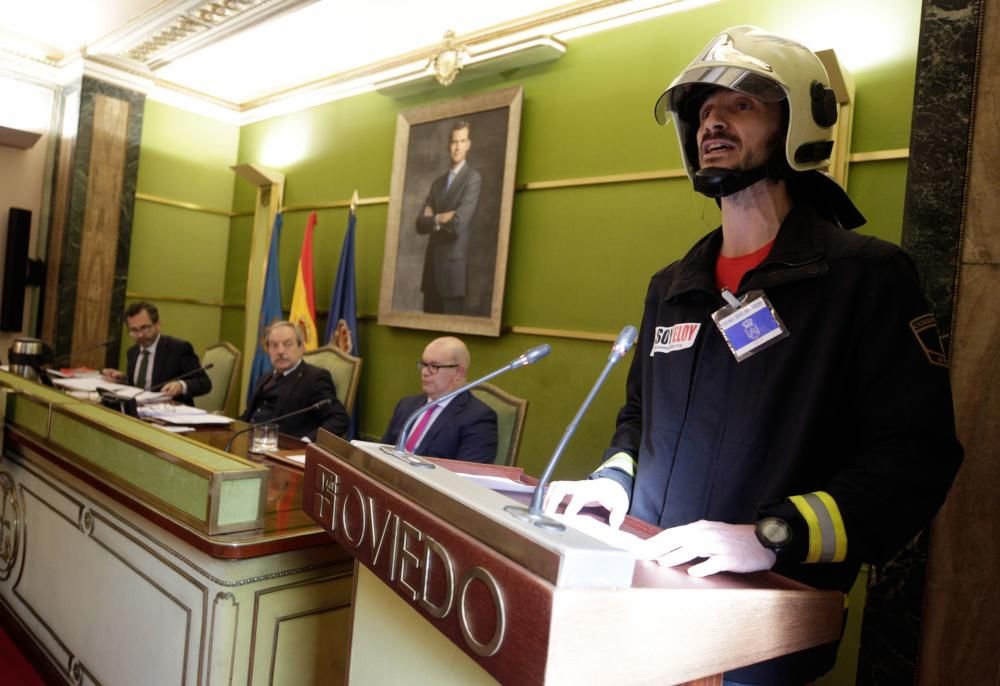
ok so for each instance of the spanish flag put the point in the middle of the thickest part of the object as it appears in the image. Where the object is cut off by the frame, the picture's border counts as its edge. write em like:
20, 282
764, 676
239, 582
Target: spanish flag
303, 313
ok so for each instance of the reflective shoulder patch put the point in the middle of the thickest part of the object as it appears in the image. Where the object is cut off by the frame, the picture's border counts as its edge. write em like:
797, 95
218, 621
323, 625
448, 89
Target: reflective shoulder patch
667, 339
925, 329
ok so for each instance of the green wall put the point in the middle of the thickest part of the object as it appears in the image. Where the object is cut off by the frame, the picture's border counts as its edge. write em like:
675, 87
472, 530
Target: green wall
580, 258
177, 252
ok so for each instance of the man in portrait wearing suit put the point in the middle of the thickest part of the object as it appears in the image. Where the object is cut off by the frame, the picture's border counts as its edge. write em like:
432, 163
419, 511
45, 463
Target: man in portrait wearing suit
158, 361
462, 428
295, 385
447, 219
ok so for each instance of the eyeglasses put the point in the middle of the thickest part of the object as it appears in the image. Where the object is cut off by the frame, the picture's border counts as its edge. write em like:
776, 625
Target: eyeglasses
433, 367
145, 328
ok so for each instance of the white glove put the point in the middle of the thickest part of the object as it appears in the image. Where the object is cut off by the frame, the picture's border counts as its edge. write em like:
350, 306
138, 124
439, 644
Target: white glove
727, 547
607, 493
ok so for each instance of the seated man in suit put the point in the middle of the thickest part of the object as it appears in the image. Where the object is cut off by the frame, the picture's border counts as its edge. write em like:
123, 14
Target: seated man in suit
295, 385
157, 361
463, 428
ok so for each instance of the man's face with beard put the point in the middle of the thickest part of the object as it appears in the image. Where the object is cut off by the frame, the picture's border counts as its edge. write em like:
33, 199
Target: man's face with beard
737, 131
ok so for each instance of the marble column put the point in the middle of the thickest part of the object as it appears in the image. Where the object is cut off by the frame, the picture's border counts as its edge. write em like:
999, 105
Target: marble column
91, 247
932, 230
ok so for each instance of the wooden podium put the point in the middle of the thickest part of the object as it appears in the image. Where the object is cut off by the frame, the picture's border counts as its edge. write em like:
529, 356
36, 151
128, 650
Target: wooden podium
451, 588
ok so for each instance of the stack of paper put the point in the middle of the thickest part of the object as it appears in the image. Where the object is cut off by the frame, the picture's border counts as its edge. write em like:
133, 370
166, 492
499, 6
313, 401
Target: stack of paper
181, 414
92, 384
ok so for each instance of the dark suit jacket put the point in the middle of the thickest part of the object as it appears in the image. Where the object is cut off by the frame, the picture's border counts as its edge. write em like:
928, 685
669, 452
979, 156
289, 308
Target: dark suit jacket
300, 389
464, 430
173, 358
446, 260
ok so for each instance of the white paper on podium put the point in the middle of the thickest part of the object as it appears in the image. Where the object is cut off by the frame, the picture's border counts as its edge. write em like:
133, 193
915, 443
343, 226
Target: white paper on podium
616, 538
498, 483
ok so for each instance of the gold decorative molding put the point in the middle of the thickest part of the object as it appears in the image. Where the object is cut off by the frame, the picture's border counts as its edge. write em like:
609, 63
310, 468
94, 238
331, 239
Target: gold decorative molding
132, 295
194, 207
601, 180
336, 204
880, 155
449, 60
634, 177
562, 333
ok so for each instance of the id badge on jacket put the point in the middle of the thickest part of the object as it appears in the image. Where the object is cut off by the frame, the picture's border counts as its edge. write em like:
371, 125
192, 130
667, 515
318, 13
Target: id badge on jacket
748, 325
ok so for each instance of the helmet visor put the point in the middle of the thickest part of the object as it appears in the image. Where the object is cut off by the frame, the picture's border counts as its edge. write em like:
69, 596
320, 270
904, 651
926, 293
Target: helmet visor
695, 80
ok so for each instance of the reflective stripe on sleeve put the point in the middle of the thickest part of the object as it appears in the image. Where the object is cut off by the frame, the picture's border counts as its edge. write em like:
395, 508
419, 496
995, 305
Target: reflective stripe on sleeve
827, 536
620, 461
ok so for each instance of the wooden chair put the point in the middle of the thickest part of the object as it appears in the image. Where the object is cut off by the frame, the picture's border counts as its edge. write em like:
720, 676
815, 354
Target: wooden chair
510, 420
344, 368
225, 360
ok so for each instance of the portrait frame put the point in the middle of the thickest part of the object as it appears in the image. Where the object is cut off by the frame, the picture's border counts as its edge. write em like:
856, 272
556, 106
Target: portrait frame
420, 164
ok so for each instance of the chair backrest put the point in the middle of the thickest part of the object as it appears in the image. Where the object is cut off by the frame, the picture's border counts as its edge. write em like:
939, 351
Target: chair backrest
510, 420
225, 360
344, 368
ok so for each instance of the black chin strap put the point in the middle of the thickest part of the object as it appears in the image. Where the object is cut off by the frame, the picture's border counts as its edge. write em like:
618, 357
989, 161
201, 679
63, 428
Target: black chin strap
716, 182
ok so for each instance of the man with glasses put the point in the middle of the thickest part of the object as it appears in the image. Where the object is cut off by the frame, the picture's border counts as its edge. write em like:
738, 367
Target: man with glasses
462, 428
158, 359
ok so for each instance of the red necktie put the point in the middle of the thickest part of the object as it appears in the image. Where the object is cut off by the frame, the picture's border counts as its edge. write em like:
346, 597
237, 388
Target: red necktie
415, 437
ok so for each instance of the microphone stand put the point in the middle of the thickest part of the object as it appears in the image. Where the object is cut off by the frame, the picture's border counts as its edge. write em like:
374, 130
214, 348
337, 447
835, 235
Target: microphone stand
400, 451
623, 343
308, 408
185, 375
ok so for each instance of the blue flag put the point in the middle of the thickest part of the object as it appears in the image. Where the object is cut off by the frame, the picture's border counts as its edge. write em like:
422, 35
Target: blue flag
342, 321
270, 309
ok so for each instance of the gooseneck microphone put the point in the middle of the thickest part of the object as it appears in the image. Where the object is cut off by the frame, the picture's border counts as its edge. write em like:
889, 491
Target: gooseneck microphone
185, 375
530, 357
623, 343
309, 408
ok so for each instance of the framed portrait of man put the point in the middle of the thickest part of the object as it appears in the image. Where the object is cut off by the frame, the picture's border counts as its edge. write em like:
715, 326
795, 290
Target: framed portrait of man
450, 202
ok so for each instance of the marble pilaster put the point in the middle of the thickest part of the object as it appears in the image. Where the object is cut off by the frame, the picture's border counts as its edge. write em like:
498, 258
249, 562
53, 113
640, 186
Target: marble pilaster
101, 307
932, 231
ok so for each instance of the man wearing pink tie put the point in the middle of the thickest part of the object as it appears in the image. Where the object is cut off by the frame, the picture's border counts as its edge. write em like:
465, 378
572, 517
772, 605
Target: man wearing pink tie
462, 428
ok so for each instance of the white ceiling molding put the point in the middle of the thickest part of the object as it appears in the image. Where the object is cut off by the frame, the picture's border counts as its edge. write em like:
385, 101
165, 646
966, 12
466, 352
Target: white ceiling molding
187, 53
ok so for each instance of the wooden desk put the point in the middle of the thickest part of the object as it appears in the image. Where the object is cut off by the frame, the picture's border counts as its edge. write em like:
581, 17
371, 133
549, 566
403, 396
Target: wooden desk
113, 582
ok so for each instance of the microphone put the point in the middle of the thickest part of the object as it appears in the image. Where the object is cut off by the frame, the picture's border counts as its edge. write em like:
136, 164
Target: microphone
623, 343
185, 375
530, 357
315, 406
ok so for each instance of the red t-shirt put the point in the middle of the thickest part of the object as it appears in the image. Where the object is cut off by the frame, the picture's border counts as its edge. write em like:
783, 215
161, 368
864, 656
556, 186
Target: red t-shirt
729, 271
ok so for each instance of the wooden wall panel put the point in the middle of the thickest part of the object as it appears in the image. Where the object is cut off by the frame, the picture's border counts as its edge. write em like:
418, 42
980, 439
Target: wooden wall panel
99, 239
962, 615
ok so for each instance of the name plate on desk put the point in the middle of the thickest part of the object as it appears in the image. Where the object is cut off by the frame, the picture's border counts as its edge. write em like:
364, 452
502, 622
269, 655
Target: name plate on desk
445, 545
484, 604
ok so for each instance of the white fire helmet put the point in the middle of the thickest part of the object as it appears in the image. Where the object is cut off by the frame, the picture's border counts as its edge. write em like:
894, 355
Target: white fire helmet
768, 67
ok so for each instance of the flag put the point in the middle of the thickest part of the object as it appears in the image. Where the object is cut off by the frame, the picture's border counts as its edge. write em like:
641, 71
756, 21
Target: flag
303, 313
342, 324
270, 309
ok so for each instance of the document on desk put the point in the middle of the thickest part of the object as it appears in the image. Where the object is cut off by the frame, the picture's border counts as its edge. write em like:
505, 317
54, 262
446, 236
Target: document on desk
196, 419
175, 429
92, 384
88, 384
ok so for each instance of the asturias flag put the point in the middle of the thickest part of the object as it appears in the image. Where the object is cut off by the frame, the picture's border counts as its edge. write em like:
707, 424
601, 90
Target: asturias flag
303, 313
342, 324
270, 309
